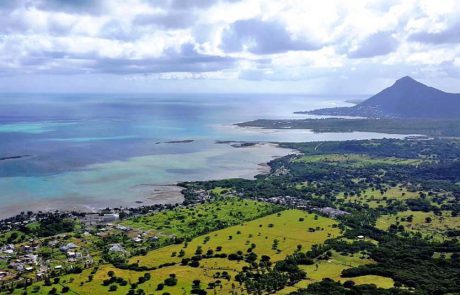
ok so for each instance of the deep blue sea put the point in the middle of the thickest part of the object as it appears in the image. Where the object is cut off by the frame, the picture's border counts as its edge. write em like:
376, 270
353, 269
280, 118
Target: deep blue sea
87, 151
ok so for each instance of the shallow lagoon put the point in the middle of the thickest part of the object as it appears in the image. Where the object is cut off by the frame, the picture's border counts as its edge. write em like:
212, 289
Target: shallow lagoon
91, 151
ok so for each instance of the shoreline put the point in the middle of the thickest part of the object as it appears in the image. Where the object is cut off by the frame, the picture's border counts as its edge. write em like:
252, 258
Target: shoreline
149, 194
406, 127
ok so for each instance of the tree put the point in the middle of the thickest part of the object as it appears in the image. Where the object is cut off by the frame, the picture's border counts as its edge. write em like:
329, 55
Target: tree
171, 281
348, 284
196, 283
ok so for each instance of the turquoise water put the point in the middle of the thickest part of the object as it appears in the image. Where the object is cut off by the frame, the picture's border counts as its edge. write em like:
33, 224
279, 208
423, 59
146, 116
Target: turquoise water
92, 151
32, 128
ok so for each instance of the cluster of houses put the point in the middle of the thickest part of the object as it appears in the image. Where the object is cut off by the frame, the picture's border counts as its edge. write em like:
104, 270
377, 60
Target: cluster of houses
331, 212
19, 259
202, 195
287, 201
70, 250
280, 171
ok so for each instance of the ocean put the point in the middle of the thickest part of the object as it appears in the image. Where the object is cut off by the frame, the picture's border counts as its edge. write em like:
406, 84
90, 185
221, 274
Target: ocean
89, 151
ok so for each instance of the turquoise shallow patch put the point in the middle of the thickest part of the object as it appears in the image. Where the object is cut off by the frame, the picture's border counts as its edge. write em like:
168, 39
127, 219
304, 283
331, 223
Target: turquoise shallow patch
33, 128
90, 139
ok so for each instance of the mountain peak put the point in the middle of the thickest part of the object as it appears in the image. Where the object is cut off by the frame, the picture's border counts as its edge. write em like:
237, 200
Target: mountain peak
406, 98
406, 80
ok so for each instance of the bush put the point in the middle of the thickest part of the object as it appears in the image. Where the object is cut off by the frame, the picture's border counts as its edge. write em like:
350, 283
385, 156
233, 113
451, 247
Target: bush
348, 284
170, 281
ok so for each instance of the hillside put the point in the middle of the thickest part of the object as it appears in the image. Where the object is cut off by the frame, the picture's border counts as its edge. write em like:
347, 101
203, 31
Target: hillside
406, 98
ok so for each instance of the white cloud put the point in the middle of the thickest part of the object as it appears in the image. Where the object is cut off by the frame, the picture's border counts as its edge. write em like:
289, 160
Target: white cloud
248, 39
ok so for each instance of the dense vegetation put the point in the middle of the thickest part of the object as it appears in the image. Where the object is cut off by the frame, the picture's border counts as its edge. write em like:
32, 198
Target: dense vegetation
393, 126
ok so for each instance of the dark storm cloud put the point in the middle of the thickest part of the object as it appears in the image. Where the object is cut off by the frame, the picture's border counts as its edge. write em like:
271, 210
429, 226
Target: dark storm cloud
262, 37
449, 35
377, 44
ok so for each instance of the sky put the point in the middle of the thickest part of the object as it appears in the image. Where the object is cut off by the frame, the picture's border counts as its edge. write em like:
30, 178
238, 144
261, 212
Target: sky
285, 46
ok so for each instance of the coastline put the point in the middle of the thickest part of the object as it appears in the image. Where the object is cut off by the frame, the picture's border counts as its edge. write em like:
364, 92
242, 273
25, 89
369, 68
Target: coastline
149, 194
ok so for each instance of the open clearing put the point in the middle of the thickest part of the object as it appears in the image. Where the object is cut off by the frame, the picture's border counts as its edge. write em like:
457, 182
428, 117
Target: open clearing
333, 267
376, 198
193, 220
426, 223
356, 160
262, 232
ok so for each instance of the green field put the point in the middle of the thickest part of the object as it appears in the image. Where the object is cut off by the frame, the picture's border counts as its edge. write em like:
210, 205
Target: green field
193, 220
355, 160
260, 234
333, 267
426, 223
376, 198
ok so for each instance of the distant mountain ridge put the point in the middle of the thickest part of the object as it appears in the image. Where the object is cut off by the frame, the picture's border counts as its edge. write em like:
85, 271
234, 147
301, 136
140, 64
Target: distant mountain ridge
406, 98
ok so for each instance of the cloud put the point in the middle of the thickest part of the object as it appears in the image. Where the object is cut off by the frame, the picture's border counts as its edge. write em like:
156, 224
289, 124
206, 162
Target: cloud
73, 6
377, 44
188, 4
171, 20
247, 40
185, 59
448, 35
262, 37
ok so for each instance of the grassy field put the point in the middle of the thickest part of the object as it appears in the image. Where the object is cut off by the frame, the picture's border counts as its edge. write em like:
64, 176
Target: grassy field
185, 275
260, 234
374, 198
355, 160
426, 223
191, 221
333, 267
